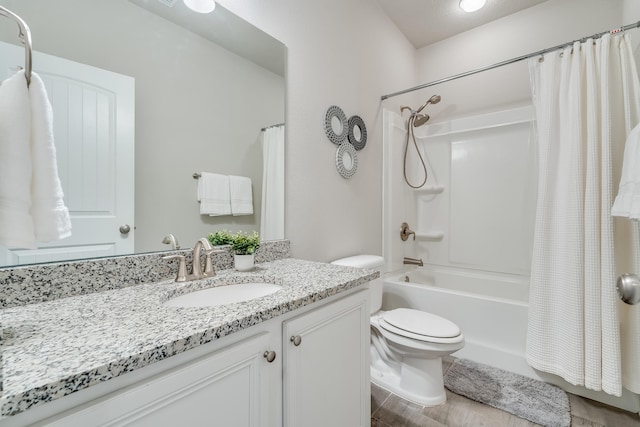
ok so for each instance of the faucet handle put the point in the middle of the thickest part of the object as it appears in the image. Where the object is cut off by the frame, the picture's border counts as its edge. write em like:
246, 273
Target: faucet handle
209, 271
182, 267
405, 232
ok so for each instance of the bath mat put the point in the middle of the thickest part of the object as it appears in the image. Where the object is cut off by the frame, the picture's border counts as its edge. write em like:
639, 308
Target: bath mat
523, 397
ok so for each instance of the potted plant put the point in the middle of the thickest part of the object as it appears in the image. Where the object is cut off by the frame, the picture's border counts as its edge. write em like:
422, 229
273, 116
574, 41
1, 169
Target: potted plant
244, 246
220, 237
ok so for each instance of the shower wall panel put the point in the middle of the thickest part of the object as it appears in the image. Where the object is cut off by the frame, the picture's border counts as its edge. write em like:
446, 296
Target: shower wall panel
483, 218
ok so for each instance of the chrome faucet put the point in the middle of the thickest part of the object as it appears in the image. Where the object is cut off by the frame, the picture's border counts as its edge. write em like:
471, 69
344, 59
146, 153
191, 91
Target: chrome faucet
413, 261
196, 269
170, 239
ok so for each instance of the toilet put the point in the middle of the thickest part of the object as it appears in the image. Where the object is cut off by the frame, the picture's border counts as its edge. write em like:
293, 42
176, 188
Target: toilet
407, 345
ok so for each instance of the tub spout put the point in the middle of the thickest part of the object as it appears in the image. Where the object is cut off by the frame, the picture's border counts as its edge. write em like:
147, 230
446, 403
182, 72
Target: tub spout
413, 261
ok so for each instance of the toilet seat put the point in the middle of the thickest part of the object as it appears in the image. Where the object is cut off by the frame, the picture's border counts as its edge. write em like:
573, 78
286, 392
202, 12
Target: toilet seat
420, 326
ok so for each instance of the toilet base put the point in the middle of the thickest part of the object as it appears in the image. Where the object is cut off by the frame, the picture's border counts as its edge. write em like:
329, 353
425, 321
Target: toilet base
418, 380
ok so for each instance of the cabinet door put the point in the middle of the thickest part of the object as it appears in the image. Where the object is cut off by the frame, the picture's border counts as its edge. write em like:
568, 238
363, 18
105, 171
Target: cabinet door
326, 376
227, 388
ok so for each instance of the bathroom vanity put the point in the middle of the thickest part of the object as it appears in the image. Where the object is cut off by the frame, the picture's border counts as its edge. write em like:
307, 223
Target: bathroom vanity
299, 356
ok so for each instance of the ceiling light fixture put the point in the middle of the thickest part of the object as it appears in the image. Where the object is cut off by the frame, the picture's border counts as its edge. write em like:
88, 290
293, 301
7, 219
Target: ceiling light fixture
472, 5
200, 6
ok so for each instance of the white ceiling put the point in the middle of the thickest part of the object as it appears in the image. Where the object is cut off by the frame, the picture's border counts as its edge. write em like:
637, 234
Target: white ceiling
225, 29
427, 21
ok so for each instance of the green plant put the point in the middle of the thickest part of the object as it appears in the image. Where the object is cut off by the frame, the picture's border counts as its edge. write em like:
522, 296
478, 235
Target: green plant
220, 237
244, 243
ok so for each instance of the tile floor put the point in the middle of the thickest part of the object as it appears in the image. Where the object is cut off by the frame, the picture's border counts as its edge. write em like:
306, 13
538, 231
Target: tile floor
389, 410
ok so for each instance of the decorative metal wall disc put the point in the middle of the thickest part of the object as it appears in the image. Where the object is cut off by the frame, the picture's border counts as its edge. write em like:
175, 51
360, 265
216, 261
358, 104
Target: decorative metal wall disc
357, 132
336, 131
346, 160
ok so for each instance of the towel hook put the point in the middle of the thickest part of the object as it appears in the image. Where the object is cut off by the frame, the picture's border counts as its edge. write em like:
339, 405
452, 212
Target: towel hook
24, 34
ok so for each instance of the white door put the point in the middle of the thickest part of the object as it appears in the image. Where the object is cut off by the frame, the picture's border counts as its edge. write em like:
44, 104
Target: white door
94, 124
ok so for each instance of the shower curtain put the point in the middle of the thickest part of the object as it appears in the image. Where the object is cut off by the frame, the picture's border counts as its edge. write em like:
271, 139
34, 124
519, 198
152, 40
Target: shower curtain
587, 100
272, 212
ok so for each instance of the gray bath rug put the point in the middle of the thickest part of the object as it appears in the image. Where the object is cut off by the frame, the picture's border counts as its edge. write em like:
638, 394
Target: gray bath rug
523, 397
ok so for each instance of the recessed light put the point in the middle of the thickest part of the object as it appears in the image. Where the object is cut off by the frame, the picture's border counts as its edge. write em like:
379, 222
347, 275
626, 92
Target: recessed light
201, 6
472, 5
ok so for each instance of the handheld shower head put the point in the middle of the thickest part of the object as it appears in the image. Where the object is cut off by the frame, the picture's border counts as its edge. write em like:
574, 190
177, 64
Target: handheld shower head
433, 100
420, 119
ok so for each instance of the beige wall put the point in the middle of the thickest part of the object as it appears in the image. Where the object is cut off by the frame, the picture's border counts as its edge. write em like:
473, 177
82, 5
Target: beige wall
347, 53
198, 106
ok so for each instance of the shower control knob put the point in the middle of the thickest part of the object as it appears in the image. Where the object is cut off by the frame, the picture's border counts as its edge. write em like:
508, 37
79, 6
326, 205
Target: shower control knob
125, 229
296, 340
270, 356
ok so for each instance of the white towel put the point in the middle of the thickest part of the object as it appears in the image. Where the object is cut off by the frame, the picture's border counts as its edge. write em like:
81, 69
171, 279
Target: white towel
16, 224
213, 194
241, 197
627, 202
50, 215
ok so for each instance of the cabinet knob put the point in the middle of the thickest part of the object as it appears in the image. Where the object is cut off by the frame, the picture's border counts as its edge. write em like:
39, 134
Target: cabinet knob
296, 340
270, 356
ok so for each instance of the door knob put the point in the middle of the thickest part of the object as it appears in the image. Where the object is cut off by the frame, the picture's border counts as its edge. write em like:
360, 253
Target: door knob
628, 286
125, 229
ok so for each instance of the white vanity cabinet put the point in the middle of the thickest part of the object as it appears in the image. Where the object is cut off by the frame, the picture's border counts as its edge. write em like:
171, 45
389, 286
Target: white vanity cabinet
234, 382
230, 387
326, 365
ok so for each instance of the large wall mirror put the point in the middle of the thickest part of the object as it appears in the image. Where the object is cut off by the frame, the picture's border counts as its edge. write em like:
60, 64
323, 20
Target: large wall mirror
198, 90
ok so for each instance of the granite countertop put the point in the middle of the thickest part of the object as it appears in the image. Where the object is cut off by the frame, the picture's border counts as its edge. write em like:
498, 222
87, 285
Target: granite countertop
55, 348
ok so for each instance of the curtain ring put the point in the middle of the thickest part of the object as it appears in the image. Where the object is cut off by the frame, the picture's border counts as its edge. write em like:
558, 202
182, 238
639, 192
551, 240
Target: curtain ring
541, 59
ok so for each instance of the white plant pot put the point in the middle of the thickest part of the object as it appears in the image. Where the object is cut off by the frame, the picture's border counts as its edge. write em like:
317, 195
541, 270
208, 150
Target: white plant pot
243, 262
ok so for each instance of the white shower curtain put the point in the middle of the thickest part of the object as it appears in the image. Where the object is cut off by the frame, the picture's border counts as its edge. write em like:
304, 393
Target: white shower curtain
586, 99
272, 213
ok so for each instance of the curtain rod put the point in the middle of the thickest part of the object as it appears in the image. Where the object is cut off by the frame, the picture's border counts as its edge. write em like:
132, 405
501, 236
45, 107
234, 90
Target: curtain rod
272, 126
509, 61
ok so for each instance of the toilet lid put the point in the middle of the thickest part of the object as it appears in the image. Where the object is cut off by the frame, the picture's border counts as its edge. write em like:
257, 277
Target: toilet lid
420, 323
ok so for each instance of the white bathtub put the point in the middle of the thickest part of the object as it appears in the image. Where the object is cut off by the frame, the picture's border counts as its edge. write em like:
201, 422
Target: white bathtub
490, 308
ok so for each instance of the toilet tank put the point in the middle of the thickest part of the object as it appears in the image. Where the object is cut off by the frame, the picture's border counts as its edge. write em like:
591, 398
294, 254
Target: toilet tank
373, 262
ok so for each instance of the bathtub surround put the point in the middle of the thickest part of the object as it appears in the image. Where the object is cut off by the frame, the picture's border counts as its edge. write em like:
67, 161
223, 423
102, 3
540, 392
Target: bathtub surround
47, 282
527, 398
587, 100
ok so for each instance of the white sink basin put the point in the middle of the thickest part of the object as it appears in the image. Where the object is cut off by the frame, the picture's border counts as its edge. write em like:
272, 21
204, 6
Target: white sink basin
222, 295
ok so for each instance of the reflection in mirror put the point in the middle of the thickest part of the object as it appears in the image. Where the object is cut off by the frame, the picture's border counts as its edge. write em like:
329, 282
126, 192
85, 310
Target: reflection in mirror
347, 161
357, 133
184, 93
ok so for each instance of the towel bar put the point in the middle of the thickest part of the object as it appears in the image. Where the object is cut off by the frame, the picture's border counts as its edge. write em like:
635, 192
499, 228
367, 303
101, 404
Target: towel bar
24, 35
